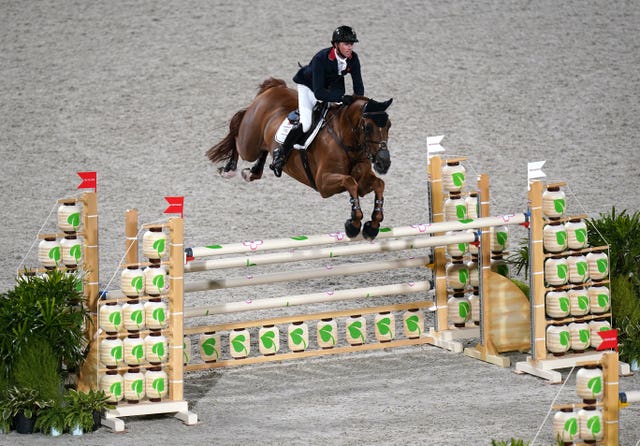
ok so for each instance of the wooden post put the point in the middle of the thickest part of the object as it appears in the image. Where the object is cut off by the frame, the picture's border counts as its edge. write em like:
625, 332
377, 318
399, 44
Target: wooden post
610, 399
439, 253
176, 308
131, 233
485, 263
536, 277
88, 377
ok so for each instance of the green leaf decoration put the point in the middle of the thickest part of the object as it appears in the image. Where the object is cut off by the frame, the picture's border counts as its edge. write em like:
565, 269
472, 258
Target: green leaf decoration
137, 283
461, 211
250, 263
561, 238
501, 238
138, 352
595, 385
462, 247
116, 353
138, 386
466, 220
158, 385
158, 245
158, 281
593, 424
559, 205
54, 253
565, 338
464, 309
137, 317
214, 246
583, 302
355, 330
268, 340
603, 300
458, 179
564, 303
297, 337
503, 270
463, 276
581, 235
158, 349
209, 347
115, 318
602, 265
413, 324
571, 426
384, 326
116, 389
563, 270
582, 268
238, 344
385, 229
76, 252
584, 336
74, 219
185, 353
158, 315
326, 335
300, 238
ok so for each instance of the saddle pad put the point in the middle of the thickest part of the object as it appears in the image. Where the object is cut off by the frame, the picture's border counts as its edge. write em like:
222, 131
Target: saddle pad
283, 130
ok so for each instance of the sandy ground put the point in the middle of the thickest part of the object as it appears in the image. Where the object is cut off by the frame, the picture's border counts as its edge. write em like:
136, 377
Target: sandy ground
138, 90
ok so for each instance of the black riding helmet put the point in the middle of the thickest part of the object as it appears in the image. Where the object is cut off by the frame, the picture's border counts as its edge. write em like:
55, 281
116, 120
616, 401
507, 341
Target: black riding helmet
344, 34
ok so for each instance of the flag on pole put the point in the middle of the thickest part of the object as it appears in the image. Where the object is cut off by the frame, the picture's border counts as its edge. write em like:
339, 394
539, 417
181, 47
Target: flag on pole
89, 180
609, 339
176, 205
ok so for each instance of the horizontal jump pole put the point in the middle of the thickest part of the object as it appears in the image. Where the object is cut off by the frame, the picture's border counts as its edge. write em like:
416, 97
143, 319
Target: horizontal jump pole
340, 237
287, 276
312, 298
330, 252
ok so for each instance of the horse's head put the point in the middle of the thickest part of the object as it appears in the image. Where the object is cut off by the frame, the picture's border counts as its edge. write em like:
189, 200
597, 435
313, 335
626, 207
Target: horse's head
372, 131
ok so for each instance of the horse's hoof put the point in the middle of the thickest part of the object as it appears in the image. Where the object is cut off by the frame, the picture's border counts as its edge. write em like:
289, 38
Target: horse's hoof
248, 176
226, 173
350, 229
369, 232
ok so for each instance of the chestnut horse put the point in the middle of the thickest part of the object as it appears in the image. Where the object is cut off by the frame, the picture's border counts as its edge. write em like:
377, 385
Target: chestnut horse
339, 159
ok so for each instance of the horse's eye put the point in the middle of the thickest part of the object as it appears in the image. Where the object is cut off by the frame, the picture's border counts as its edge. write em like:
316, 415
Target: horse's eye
368, 129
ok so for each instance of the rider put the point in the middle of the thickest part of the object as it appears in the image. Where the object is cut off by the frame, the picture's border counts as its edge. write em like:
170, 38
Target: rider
322, 80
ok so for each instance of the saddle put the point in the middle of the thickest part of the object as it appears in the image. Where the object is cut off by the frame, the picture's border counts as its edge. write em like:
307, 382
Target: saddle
293, 118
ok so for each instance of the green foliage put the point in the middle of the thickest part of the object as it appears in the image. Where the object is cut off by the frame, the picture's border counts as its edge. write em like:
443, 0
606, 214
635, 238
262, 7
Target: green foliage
51, 418
48, 307
524, 287
520, 259
626, 317
79, 408
512, 442
25, 401
38, 367
621, 231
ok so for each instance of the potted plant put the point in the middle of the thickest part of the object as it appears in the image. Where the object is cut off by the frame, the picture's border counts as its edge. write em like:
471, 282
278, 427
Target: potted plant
78, 410
5, 416
23, 405
50, 420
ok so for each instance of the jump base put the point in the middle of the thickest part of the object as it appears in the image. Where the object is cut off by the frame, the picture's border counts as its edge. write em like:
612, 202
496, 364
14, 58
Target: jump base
179, 409
547, 368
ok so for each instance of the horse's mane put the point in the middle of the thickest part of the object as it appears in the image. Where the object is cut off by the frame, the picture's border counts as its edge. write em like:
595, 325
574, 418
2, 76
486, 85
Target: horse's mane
271, 82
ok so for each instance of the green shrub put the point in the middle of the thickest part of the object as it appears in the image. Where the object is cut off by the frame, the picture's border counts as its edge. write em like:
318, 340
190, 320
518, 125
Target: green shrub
38, 367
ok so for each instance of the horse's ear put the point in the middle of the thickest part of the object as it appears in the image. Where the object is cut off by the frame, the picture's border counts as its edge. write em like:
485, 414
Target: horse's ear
386, 104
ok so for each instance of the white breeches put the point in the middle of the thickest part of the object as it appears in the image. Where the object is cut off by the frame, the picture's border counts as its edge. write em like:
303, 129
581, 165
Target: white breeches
306, 101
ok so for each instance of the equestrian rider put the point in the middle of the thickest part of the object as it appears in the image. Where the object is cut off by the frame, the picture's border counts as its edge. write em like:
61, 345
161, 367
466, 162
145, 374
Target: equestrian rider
322, 80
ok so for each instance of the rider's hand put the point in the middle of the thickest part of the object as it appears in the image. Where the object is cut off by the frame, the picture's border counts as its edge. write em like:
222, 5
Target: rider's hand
347, 99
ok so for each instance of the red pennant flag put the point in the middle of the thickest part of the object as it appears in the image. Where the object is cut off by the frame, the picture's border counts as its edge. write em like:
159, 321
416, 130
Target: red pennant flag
176, 205
89, 180
609, 339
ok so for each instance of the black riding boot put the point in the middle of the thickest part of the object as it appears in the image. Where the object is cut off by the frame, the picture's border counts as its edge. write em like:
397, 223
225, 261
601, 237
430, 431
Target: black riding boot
280, 154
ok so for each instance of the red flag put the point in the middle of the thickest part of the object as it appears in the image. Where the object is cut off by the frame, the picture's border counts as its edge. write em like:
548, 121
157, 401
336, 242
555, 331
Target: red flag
609, 339
176, 205
89, 180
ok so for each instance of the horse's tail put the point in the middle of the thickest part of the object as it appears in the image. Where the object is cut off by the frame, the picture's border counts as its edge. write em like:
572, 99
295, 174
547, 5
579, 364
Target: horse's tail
225, 148
271, 82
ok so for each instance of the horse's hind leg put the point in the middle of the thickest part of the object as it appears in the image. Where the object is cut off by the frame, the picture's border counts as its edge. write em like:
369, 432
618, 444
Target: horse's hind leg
255, 173
229, 169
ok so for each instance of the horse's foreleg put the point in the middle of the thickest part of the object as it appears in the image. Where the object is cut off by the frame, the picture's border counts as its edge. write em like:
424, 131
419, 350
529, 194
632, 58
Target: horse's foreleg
371, 228
255, 173
329, 184
352, 226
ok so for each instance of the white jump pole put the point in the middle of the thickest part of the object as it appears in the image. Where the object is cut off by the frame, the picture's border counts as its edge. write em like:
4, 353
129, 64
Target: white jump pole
340, 237
312, 298
327, 253
286, 276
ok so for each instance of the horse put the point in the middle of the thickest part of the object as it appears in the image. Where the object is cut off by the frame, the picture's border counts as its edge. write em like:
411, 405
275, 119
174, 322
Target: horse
340, 158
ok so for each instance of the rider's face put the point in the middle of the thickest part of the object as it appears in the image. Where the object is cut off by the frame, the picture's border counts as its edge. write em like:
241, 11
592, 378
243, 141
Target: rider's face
346, 49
